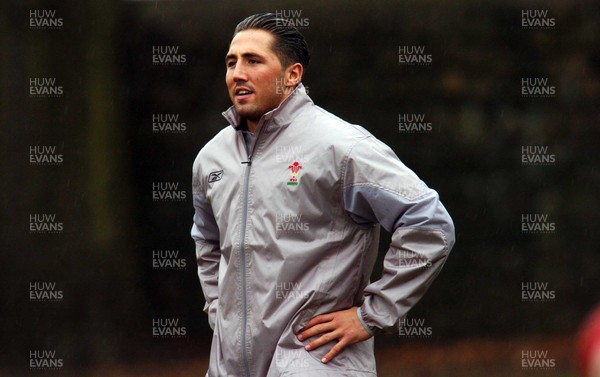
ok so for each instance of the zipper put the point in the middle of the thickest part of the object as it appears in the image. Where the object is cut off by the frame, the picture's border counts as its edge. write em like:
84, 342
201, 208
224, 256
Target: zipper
243, 245
243, 264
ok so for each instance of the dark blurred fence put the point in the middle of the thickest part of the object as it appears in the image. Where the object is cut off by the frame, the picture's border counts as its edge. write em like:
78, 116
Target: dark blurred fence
127, 126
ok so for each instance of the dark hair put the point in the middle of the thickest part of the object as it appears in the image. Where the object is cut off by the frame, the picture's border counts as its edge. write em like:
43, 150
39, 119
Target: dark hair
289, 46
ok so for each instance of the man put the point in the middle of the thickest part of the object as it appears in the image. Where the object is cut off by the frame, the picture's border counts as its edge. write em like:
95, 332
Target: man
288, 204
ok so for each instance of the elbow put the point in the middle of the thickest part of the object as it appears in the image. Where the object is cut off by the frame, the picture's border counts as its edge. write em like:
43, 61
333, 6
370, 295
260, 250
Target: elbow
449, 231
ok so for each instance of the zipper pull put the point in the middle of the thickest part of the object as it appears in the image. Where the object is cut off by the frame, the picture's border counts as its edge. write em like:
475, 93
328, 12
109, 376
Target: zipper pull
249, 162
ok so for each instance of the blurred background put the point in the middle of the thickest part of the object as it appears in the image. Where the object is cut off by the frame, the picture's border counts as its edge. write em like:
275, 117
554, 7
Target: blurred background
105, 104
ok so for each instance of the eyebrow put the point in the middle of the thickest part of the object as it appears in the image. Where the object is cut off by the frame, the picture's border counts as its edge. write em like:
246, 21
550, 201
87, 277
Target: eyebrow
246, 55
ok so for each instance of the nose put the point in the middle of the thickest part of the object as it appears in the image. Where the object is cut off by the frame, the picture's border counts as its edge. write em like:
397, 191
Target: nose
239, 73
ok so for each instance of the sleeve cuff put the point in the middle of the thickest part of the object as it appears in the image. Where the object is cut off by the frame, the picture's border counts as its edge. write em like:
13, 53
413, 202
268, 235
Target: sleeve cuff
362, 320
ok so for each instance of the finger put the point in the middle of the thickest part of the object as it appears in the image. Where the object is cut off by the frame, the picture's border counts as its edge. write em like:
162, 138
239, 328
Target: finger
337, 348
316, 330
318, 319
323, 339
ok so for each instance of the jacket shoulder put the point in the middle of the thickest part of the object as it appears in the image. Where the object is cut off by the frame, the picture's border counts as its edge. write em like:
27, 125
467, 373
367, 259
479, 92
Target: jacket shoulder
222, 138
208, 153
333, 129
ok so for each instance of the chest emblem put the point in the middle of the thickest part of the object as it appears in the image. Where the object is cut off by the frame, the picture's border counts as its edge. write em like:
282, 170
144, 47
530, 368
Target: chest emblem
215, 176
294, 168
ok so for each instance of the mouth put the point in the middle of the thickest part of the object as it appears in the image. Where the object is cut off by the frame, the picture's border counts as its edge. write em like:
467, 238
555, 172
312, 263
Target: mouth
243, 93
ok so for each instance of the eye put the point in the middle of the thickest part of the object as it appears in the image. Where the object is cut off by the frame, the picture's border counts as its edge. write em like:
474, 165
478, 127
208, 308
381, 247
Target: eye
230, 64
253, 61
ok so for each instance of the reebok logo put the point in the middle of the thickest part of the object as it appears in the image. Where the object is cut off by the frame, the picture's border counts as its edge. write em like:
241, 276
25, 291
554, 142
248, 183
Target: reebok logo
215, 176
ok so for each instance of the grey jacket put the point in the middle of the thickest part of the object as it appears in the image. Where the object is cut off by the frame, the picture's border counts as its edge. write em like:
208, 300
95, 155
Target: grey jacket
287, 227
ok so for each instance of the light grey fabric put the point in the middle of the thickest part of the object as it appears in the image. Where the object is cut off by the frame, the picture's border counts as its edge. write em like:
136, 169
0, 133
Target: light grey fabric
290, 247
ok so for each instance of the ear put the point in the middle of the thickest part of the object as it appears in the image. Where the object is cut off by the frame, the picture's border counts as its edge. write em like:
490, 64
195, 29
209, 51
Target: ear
293, 75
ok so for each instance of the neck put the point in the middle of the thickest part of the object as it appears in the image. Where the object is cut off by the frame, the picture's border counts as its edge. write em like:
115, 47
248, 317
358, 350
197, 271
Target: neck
251, 125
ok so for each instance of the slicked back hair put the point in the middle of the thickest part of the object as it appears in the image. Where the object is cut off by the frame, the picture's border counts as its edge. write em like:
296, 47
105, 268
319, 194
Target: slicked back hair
289, 45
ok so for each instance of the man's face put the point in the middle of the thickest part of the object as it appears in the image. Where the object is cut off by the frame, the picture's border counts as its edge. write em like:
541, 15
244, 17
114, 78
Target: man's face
254, 74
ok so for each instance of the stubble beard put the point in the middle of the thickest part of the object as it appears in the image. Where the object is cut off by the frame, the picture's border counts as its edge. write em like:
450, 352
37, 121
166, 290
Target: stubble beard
254, 112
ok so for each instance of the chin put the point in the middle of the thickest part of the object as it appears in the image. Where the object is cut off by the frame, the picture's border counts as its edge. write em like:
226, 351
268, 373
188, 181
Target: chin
250, 115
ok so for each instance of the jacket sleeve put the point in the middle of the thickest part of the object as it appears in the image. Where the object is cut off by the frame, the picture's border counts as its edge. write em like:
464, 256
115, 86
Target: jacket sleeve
379, 188
205, 233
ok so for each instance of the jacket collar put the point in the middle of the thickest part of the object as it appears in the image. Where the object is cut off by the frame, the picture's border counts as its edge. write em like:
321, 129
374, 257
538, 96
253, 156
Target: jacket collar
282, 115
